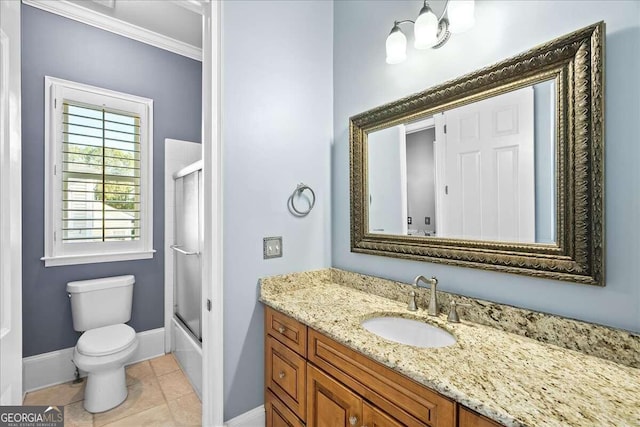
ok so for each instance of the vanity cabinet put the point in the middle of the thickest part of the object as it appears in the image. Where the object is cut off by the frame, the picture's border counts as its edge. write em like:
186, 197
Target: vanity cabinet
468, 418
314, 381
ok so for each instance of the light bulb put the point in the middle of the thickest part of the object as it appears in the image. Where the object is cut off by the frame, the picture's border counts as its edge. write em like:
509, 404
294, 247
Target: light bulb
396, 46
461, 15
426, 29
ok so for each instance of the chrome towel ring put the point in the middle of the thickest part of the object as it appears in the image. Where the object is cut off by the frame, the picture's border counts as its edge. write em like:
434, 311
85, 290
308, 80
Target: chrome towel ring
301, 188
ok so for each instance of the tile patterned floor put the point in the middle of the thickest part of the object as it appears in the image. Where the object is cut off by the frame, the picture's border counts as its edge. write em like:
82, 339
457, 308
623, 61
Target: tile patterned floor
159, 395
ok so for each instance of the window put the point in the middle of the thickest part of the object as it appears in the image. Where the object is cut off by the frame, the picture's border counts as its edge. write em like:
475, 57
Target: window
98, 175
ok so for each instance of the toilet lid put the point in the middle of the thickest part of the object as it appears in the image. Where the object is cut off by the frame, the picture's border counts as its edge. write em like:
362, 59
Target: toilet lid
106, 340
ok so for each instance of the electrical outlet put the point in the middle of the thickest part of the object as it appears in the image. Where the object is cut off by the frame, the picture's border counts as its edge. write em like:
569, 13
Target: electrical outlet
272, 247
409, 220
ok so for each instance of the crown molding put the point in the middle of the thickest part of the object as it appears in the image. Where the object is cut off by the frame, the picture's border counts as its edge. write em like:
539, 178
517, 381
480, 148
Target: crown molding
195, 6
117, 26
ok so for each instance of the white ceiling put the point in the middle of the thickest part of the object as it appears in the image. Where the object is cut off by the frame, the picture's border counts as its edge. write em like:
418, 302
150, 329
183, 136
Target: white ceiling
176, 19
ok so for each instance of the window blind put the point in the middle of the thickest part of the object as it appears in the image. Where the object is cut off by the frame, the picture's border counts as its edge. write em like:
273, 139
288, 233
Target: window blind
100, 174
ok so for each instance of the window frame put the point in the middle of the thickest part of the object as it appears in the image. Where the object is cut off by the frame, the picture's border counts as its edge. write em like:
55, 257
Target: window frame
58, 253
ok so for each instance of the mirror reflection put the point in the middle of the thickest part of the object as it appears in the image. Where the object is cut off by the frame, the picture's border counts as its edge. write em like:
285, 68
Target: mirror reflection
481, 171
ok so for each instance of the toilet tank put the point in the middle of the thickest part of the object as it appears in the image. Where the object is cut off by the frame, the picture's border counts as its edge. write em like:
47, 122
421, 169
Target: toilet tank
101, 302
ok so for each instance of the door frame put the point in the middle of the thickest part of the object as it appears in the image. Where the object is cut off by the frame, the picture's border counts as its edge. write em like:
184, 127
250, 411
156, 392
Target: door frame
439, 143
10, 205
212, 279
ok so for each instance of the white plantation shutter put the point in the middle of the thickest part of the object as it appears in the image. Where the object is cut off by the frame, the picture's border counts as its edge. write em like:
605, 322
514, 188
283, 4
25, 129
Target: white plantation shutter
99, 175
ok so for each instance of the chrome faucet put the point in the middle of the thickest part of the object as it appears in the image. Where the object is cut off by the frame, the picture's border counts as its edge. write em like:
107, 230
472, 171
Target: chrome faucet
433, 300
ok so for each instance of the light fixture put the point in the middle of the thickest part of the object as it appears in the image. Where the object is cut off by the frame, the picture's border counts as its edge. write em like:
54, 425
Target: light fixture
429, 30
425, 29
396, 45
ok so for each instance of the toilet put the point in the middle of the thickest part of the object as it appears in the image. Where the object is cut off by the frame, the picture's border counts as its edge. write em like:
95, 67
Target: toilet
100, 308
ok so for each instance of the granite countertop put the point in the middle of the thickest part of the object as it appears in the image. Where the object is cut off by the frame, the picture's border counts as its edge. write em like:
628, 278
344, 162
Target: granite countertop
509, 378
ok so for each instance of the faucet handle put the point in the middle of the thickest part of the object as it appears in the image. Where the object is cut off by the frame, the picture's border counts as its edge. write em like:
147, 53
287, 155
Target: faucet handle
453, 313
412, 301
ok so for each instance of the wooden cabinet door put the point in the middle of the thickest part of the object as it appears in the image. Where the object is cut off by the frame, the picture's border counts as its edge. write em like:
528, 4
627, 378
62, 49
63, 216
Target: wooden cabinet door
468, 418
277, 413
330, 404
373, 417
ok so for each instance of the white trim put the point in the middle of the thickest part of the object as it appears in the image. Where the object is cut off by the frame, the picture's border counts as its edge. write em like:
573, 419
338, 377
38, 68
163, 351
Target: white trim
418, 126
10, 205
56, 252
194, 6
117, 26
96, 258
213, 321
253, 418
106, 3
56, 367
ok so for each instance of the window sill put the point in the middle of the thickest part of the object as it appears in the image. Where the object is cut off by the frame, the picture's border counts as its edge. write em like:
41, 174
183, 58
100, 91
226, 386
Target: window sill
96, 258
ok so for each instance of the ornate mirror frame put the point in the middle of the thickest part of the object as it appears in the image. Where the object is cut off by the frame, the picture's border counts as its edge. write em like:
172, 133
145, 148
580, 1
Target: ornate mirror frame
575, 63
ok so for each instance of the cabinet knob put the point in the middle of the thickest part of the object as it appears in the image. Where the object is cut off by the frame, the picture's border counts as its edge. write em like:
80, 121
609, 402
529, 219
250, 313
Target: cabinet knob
281, 329
281, 374
353, 420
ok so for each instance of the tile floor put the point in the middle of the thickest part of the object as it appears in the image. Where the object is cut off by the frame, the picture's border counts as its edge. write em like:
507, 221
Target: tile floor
159, 395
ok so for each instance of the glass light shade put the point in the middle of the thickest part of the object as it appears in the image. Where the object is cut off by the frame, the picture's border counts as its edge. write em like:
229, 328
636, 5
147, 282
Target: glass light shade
396, 46
461, 15
426, 29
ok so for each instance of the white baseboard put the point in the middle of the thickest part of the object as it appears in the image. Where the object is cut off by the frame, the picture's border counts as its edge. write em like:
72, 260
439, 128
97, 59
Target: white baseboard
253, 418
47, 369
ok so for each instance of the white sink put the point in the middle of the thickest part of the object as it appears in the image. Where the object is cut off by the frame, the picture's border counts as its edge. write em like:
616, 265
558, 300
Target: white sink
408, 331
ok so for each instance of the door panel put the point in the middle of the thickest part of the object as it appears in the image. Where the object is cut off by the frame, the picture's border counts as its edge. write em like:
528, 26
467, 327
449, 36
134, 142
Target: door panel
373, 417
489, 169
470, 212
388, 181
10, 207
329, 403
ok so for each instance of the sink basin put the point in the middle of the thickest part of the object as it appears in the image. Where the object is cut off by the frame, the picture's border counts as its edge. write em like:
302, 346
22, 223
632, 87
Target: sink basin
408, 331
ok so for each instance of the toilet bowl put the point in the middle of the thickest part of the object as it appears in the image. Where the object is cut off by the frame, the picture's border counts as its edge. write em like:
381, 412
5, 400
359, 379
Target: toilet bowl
99, 308
103, 356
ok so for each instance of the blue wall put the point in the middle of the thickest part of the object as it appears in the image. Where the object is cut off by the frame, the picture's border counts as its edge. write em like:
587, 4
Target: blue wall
59, 47
362, 80
277, 126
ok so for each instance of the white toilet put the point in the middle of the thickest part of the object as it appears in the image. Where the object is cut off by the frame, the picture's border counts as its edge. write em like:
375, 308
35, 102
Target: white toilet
99, 308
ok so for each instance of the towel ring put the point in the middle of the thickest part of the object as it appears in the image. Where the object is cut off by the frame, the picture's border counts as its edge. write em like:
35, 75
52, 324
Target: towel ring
297, 192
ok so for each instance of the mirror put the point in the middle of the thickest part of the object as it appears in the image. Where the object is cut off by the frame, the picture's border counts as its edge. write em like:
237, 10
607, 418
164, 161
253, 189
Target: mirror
500, 169
482, 171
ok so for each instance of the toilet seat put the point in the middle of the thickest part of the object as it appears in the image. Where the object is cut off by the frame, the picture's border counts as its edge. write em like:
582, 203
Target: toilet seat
106, 340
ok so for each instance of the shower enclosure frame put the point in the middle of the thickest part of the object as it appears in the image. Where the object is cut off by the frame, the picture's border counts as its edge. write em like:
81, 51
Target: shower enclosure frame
187, 253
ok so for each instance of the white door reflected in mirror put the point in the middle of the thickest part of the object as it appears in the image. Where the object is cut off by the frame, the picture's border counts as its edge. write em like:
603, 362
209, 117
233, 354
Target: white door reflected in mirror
482, 171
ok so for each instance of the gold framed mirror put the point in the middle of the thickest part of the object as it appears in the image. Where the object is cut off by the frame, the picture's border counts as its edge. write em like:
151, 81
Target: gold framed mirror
501, 169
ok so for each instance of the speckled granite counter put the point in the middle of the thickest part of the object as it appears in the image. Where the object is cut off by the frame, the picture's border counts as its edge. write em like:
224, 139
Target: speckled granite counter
512, 379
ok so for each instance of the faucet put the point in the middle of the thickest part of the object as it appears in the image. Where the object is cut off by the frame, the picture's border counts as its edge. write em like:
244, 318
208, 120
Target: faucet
433, 300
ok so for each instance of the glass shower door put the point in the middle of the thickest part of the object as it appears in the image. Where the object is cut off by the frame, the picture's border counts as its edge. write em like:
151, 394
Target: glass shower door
188, 279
